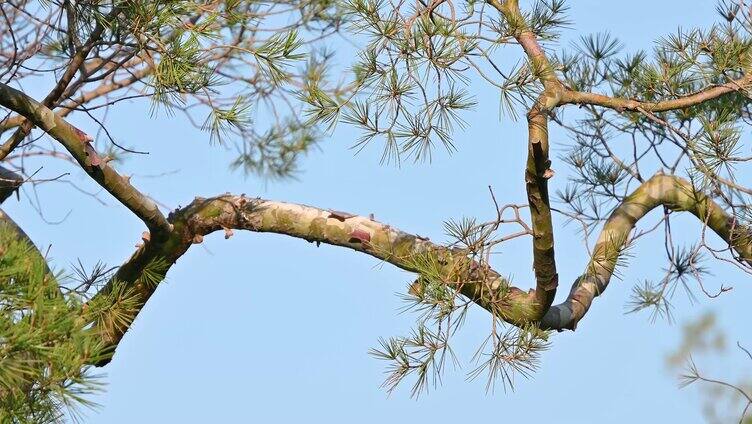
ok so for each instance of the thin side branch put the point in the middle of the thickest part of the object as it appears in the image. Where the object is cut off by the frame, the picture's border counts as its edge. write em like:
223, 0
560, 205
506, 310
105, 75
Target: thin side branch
622, 104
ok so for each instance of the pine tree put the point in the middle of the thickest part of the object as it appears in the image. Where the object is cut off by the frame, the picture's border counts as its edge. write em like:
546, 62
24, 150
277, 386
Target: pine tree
647, 130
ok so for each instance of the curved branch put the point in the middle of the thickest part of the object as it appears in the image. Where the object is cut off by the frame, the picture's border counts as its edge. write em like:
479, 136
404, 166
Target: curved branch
670, 191
555, 94
483, 286
204, 216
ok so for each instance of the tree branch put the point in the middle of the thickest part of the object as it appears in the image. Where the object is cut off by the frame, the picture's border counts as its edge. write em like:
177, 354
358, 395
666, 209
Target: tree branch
542, 67
85, 97
78, 144
622, 104
363, 234
538, 167
537, 172
54, 95
670, 191
483, 286
555, 94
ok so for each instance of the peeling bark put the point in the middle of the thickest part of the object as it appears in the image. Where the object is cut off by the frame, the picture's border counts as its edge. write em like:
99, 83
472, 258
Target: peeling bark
537, 173
359, 233
384, 242
538, 166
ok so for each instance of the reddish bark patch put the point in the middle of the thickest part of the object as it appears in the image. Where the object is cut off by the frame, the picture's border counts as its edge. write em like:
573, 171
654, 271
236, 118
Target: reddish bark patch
359, 236
94, 159
85, 138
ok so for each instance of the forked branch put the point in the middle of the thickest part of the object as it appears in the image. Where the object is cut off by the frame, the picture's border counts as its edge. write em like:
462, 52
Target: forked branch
483, 286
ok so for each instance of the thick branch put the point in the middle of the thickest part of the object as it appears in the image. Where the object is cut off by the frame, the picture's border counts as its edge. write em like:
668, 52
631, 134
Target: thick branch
78, 144
670, 191
538, 167
537, 172
204, 216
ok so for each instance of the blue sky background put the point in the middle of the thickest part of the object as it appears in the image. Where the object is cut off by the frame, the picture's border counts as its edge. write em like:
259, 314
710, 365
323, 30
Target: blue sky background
265, 328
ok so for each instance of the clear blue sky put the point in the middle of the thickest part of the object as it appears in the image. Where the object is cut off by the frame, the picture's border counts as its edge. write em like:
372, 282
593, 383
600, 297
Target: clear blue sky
265, 328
